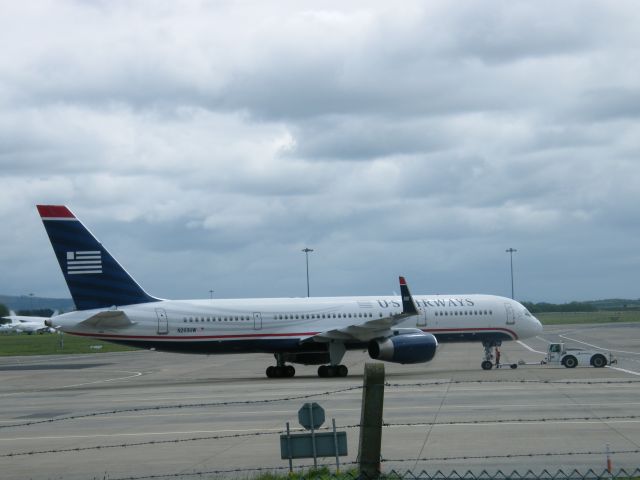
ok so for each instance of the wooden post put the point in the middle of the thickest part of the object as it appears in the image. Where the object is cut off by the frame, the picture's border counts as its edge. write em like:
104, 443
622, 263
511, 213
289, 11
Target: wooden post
371, 421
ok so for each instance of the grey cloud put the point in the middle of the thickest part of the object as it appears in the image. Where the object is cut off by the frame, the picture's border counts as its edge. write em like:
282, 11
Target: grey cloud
364, 138
520, 30
609, 104
207, 144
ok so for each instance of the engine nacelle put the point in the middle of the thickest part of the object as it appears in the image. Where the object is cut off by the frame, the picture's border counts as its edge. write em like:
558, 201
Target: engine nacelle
412, 348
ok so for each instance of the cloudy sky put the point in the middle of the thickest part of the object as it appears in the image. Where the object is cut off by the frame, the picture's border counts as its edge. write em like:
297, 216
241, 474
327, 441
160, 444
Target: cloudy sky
206, 143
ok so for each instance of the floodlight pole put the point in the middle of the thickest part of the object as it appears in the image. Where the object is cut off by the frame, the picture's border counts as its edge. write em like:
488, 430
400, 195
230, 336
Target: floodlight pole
511, 251
306, 254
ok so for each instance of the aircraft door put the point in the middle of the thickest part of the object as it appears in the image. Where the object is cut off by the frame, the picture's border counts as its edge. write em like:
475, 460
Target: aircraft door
257, 321
163, 321
422, 318
511, 318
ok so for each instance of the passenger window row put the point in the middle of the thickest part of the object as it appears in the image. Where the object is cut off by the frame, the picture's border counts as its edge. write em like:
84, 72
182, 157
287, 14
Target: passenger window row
445, 313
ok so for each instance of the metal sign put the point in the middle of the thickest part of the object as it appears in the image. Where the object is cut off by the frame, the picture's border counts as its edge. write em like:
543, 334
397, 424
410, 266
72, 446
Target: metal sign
301, 445
311, 416
313, 444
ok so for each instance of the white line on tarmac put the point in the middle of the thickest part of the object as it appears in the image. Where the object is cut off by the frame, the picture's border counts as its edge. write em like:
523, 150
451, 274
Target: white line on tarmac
137, 434
529, 348
524, 423
599, 348
135, 374
632, 372
357, 409
197, 432
623, 370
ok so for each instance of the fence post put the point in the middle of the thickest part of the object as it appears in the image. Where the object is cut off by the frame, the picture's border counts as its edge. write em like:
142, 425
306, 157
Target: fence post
289, 449
371, 421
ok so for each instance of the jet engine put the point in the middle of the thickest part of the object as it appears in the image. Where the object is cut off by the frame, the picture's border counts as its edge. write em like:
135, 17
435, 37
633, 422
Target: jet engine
410, 348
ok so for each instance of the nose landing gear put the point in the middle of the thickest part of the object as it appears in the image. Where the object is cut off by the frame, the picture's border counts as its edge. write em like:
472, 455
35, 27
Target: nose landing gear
487, 363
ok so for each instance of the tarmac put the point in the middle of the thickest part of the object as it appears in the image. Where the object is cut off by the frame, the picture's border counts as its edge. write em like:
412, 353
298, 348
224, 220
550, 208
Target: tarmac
140, 414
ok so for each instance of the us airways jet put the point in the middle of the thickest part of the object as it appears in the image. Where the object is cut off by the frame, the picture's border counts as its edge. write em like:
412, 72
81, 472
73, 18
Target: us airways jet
111, 306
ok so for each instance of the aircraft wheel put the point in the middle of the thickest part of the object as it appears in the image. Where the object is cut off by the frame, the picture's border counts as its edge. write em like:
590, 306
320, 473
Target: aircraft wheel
289, 371
323, 371
342, 370
271, 371
486, 365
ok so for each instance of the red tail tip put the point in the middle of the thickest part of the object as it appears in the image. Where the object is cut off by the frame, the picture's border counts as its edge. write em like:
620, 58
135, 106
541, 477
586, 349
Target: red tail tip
54, 211
402, 281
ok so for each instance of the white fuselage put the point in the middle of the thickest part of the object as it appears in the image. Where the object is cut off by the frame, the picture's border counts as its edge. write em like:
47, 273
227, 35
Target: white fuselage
268, 325
23, 323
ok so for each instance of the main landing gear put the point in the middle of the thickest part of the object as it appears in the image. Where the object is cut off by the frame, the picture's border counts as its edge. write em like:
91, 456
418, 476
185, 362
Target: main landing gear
335, 369
325, 371
280, 370
487, 363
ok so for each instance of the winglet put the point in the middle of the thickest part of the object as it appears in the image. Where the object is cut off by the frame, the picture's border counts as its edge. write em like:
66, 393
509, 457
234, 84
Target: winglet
408, 305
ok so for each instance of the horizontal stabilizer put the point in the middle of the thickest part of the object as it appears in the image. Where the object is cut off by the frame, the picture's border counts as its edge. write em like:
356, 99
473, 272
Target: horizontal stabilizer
108, 319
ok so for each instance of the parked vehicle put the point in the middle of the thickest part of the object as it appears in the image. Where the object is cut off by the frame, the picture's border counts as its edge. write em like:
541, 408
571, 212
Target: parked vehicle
559, 354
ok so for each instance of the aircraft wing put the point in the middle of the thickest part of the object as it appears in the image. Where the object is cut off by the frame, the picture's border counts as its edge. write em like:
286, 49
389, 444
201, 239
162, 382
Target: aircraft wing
376, 328
108, 319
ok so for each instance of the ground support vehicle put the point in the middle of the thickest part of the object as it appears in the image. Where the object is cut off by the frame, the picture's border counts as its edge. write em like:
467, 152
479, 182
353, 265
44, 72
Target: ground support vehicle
559, 354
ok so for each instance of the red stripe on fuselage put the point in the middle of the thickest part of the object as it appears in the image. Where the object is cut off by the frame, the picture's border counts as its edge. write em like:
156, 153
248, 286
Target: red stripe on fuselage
192, 337
470, 330
54, 211
271, 335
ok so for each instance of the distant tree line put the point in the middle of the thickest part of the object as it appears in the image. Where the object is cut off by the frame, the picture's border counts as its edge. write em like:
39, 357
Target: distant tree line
38, 312
543, 307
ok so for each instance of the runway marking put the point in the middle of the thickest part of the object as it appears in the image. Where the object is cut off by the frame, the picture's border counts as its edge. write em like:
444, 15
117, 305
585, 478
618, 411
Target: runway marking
623, 370
599, 348
135, 374
524, 423
357, 409
239, 430
529, 348
138, 434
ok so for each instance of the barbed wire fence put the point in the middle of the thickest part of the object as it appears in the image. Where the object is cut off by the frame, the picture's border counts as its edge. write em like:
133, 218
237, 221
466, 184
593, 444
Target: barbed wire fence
305, 396
408, 475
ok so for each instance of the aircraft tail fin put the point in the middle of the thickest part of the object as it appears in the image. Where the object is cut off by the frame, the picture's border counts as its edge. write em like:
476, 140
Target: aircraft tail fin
95, 279
408, 305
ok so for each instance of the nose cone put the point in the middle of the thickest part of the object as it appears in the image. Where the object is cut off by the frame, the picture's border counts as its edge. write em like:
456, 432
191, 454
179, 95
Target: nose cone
535, 326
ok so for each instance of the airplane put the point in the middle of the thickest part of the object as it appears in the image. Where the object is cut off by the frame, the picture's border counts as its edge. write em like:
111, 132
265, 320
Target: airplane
111, 306
24, 323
